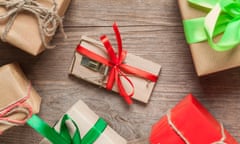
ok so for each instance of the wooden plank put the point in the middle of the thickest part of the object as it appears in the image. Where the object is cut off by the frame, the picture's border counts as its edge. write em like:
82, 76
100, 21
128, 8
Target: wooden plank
48, 73
150, 29
125, 12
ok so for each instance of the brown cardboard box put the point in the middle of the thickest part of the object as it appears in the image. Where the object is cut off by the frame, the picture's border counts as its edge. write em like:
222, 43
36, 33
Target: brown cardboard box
85, 118
143, 87
24, 32
207, 60
13, 87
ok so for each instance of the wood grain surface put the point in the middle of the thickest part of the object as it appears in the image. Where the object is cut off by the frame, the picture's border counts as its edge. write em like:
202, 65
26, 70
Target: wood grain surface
151, 29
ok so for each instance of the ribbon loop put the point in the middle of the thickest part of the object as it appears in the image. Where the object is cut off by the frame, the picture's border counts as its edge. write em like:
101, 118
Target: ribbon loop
109, 48
223, 18
91, 136
115, 73
65, 132
65, 135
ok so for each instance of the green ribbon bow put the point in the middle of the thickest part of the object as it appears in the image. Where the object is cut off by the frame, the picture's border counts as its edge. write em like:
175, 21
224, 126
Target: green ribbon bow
223, 18
64, 137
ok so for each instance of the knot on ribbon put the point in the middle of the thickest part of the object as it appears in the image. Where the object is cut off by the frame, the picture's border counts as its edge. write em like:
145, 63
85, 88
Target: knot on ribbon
232, 8
69, 132
48, 18
223, 18
90, 137
18, 107
116, 64
179, 133
118, 69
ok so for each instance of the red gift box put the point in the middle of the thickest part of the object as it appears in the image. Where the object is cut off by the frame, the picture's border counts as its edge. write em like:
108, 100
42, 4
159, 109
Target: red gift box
189, 123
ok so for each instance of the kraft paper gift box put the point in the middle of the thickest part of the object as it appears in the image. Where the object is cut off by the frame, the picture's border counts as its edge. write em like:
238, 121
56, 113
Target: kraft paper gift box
189, 123
14, 88
98, 73
206, 59
85, 120
24, 32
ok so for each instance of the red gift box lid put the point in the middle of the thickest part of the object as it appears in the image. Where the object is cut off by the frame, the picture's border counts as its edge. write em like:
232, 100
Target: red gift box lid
194, 123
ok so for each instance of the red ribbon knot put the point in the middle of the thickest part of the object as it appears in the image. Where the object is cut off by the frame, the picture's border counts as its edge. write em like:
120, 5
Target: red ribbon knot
118, 69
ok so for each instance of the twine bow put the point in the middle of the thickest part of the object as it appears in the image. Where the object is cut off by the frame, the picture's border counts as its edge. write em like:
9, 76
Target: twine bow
223, 18
17, 107
48, 18
118, 69
221, 141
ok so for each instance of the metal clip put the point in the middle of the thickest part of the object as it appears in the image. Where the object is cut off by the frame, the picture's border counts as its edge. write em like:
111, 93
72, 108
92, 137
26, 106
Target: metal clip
94, 65
91, 64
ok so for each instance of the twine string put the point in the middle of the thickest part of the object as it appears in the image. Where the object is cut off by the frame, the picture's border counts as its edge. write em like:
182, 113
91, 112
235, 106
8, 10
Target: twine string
17, 107
48, 18
221, 141
169, 119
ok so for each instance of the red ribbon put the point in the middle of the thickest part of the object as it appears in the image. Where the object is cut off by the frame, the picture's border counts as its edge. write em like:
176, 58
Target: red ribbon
118, 68
11, 109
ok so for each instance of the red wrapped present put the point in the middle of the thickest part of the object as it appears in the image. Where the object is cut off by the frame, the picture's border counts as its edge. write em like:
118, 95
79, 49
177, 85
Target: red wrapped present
189, 123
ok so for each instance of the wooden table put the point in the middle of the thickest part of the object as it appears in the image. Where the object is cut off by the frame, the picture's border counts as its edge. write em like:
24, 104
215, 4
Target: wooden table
151, 29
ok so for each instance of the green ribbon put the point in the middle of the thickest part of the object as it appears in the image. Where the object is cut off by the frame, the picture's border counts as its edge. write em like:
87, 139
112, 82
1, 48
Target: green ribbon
223, 18
64, 137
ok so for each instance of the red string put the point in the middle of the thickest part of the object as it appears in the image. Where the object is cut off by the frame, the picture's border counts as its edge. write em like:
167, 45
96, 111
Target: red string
118, 68
19, 104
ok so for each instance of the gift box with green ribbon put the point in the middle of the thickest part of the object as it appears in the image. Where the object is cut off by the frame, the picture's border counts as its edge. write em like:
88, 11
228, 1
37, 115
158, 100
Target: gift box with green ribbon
82, 126
211, 30
19, 104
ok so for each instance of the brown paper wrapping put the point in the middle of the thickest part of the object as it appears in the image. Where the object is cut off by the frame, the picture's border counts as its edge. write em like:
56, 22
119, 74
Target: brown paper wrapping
143, 88
24, 33
207, 60
85, 119
14, 86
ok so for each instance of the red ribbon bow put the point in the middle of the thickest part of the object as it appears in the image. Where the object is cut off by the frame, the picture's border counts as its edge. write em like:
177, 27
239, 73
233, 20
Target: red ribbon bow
118, 68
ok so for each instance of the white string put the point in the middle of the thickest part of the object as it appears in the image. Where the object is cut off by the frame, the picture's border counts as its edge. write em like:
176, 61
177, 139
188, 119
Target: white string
175, 129
221, 141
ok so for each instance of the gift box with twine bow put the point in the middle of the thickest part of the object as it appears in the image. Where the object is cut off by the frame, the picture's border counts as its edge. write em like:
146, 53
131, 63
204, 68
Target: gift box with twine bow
30, 24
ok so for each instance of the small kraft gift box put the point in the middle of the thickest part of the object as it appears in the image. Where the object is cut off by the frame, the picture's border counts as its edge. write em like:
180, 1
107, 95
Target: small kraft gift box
19, 104
129, 75
189, 123
210, 28
81, 120
18, 101
30, 24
